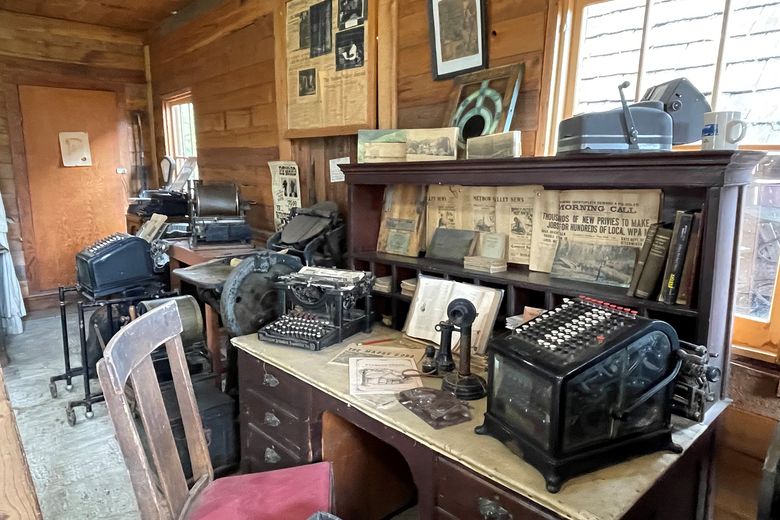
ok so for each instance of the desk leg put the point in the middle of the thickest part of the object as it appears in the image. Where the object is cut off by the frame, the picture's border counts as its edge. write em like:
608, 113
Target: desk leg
175, 281
212, 342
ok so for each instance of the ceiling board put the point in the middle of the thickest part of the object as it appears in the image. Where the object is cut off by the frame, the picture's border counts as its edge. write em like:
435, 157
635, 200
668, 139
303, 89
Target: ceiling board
133, 15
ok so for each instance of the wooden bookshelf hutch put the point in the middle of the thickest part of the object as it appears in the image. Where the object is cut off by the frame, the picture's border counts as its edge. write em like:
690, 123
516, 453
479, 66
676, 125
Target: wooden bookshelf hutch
711, 181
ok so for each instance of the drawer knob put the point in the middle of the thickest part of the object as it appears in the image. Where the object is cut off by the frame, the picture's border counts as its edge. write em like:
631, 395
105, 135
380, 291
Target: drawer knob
271, 420
270, 380
492, 510
271, 457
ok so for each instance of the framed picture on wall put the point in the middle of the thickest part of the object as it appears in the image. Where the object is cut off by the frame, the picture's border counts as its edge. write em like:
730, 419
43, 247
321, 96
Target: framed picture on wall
458, 39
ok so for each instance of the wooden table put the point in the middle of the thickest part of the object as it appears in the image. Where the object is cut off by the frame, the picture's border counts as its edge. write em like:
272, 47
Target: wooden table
17, 494
182, 255
290, 398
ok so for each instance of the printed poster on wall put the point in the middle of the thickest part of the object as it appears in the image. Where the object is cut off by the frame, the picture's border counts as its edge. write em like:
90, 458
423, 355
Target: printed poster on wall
286, 189
327, 79
74, 148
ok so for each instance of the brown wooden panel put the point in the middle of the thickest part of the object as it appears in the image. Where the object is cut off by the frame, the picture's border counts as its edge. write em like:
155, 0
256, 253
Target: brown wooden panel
71, 207
136, 15
460, 493
39, 38
370, 479
17, 494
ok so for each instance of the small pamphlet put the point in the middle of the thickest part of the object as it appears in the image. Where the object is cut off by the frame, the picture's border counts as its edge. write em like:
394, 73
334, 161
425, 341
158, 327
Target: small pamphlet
381, 376
336, 175
375, 351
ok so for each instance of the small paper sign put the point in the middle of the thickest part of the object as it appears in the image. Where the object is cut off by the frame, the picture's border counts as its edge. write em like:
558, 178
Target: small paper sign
336, 175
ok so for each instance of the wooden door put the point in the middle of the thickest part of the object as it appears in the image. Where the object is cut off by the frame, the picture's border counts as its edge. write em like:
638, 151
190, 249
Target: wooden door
74, 206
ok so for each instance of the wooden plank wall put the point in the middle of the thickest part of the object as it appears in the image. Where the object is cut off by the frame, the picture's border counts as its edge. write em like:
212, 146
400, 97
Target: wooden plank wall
516, 33
225, 57
41, 51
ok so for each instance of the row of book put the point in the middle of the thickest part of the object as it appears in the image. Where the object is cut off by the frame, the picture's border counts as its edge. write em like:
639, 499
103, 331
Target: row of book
668, 263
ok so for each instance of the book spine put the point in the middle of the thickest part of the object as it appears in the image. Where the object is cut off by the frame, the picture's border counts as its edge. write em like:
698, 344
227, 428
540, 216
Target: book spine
677, 250
690, 268
668, 265
642, 258
648, 280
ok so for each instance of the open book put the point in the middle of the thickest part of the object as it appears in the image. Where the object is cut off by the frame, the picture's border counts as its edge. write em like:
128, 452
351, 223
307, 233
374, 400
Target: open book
429, 308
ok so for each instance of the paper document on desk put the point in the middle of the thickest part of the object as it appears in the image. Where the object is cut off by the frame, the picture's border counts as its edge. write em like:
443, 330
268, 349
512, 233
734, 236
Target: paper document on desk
375, 351
377, 376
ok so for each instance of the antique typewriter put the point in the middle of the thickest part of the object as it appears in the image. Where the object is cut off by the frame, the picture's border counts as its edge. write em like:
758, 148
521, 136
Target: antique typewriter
318, 307
114, 264
582, 386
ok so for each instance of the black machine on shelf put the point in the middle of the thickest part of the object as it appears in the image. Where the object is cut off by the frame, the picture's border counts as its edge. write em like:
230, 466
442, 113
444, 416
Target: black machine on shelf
582, 386
217, 214
115, 264
316, 235
318, 307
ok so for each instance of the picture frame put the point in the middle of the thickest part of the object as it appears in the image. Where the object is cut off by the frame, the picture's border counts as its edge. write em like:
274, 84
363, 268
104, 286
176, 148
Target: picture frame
458, 34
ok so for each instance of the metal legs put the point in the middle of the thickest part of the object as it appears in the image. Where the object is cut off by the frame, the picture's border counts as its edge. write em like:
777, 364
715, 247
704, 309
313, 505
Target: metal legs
70, 372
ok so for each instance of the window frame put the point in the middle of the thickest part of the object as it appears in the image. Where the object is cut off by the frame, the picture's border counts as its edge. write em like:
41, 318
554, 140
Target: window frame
171, 129
571, 14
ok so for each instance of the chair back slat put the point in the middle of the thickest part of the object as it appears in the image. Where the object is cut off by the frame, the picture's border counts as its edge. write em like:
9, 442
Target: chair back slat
139, 338
188, 408
157, 425
151, 504
128, 357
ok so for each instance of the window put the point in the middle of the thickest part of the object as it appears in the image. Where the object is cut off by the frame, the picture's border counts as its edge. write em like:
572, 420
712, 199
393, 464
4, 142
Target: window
179, 121
727, 48
757, 310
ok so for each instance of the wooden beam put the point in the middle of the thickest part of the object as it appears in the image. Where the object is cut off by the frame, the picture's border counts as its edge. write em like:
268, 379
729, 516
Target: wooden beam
387, 56
280, 78
18, 500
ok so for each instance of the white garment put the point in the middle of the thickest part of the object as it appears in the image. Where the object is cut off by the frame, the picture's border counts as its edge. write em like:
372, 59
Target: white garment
11, 302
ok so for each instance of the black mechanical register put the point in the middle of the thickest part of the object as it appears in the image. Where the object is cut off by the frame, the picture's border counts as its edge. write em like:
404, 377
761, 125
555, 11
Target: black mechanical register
582, 386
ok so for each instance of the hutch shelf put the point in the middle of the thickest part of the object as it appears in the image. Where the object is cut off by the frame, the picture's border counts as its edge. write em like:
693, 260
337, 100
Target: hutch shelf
711, 181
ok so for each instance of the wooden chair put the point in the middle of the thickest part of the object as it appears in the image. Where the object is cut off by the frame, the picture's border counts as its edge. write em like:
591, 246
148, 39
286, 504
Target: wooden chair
163, 492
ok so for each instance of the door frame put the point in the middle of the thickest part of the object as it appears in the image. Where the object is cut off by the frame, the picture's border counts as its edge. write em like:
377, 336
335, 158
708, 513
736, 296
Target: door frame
55, 76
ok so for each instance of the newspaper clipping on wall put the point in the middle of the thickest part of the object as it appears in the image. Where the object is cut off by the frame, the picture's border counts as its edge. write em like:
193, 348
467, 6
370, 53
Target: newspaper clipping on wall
286, 189
327, 79
592, 235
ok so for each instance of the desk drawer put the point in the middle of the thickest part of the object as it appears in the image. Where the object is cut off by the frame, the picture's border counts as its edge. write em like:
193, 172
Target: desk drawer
276, 420
272, 383
260, 452
463, 494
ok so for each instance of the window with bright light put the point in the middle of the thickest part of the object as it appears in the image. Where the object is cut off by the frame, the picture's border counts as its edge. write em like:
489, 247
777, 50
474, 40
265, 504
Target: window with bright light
179, 120
729, 49
757, 302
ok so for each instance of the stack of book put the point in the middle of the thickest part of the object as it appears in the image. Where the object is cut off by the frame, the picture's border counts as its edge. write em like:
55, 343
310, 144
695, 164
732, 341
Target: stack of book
668, 262
408, 287
384, 284
484, 264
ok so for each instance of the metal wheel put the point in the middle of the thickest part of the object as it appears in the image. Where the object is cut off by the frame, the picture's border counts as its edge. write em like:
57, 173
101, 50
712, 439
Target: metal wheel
89, 414
68, 387
71, 416
249, 298
53, 390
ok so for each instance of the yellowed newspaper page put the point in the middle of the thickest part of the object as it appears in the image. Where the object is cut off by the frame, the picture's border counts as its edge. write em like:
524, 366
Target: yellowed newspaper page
515, 217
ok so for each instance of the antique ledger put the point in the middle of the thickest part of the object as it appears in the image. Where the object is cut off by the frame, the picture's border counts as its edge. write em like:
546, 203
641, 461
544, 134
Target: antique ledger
401, 227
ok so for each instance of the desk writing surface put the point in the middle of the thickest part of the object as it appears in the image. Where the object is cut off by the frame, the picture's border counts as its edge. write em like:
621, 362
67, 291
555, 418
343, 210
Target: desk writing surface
604, 494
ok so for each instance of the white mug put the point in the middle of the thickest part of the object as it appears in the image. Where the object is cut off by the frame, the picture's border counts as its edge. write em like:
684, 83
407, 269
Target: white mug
722, 130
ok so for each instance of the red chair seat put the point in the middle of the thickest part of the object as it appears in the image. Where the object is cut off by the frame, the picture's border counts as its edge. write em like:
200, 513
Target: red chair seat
289, 494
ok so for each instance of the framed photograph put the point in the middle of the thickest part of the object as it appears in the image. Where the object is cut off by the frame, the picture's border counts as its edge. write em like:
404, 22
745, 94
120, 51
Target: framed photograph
320, 27
307, 82
351, 13
350, 52
458, 39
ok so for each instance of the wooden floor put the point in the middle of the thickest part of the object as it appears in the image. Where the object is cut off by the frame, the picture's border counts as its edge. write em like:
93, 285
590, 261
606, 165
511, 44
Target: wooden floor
17, 494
